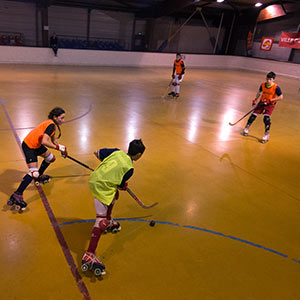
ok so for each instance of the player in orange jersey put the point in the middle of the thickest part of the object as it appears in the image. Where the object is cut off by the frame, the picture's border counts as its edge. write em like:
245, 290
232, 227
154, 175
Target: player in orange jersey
177, 75
268, 93
34, 145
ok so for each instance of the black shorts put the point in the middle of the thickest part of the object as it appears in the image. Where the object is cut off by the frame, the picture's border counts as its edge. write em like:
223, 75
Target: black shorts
32, 154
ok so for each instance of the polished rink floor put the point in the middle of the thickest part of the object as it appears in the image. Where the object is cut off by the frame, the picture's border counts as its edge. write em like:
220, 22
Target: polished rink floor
227, 223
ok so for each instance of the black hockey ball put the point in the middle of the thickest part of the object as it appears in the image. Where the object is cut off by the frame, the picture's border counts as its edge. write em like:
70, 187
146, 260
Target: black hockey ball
152, 223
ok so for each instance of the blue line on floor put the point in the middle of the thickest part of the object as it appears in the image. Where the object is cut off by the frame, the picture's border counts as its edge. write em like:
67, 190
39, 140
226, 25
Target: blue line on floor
190, 227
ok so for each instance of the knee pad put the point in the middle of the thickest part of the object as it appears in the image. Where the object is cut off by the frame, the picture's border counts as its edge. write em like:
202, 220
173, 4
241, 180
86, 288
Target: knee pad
267, 121
174, 83
102, 223
50, 158
252, 118
34, 173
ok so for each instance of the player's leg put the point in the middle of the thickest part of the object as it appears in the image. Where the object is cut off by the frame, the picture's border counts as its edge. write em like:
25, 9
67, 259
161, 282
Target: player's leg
31, 160
113, 226
89, 258
49, 158
178, 81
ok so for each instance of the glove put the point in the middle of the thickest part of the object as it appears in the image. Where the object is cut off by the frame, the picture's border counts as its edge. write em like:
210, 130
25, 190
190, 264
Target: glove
124, 187
179, 77
253, 102
62, 149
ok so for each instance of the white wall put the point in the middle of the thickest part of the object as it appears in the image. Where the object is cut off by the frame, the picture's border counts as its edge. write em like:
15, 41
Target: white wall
30, 55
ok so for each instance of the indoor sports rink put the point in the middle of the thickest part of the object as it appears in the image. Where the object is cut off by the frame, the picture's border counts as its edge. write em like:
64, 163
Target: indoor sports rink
209, 213
227, 222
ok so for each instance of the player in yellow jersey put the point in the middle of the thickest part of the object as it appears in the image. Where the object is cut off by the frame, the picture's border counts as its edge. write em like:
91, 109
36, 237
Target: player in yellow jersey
35, 144
177, 75
112, 173
269, 92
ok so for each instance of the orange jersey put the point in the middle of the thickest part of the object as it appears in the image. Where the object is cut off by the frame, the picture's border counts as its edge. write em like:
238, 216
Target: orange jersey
268, 93
179, 66
34, 138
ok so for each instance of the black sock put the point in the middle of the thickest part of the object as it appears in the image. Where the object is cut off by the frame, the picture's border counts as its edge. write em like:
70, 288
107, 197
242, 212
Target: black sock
24, 184
43, 167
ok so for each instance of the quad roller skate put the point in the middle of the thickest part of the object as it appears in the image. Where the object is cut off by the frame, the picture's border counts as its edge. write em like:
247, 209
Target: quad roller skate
91, 262
171, 94
42, 179
245, 131
113, 227
266, 137
17, 201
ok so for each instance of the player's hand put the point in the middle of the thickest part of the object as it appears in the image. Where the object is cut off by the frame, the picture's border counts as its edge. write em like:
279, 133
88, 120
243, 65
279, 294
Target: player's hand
179, 77
124, 187
253, 102
64, 154
62, 149
96, 153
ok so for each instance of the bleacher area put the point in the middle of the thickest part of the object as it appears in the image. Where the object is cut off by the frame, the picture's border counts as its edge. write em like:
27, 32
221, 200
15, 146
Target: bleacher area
78, 43
11, 38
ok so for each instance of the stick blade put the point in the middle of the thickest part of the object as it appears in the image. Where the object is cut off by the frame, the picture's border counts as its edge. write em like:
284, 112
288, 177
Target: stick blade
231, 124
149, 206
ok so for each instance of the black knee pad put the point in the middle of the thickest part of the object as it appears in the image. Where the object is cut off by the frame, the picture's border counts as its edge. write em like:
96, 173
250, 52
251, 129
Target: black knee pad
267, 121
251, 119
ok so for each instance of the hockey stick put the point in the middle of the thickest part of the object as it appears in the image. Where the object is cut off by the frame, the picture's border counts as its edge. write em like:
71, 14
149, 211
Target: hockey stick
79, 162
139, 202
249, 112
165, 94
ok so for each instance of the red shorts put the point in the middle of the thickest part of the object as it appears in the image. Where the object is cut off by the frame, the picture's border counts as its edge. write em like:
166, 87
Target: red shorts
264, 109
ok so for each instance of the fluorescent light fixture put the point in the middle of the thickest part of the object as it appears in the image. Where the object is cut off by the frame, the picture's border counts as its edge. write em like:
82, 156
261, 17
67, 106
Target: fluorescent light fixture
258, 4
197, 0
220, 1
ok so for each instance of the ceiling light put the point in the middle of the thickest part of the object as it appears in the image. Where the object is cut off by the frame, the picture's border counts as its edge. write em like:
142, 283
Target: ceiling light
258, 4
220, 1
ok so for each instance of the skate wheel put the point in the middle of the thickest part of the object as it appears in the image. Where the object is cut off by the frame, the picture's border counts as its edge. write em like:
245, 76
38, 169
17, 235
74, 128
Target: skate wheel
37, 183
99, 272
84, 267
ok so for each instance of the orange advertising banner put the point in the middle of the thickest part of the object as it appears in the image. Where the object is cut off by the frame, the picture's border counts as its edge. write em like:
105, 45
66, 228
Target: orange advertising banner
289, 40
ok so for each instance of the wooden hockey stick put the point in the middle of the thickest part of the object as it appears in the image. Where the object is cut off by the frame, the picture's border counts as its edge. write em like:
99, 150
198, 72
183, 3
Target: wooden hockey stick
139, 202
166, 93
249, 112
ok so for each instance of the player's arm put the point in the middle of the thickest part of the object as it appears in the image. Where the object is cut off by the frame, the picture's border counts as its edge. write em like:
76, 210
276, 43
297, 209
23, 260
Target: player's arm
278, 94
257, 97
183, 67
124, 183
103, 153
173, 73
48, 139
